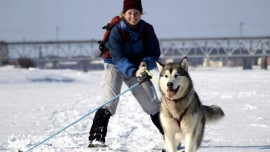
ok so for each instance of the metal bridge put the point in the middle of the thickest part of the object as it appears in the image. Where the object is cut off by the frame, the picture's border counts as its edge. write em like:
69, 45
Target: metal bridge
85, 51
216, 47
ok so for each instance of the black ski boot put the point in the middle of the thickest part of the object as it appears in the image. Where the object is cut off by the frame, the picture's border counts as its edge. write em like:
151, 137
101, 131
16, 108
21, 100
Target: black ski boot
156, 121
98, 130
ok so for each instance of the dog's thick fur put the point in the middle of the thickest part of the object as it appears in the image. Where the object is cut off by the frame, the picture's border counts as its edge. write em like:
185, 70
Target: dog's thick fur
182, 114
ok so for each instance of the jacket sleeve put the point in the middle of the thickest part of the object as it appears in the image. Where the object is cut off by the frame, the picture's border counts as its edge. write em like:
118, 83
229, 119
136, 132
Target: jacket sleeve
152, 49
116, 46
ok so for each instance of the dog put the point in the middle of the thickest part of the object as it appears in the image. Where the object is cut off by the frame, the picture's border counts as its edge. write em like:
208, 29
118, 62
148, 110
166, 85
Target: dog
182, 114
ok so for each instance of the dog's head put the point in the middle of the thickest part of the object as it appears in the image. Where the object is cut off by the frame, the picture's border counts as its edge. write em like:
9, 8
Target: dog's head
174, 79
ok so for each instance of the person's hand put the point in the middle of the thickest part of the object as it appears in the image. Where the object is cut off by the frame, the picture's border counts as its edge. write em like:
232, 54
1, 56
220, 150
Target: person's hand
141, 70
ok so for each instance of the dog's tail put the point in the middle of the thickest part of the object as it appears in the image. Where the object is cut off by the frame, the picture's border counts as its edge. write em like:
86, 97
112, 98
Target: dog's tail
213, 113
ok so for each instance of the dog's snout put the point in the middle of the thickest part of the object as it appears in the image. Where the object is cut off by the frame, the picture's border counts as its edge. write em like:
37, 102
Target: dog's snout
170, 85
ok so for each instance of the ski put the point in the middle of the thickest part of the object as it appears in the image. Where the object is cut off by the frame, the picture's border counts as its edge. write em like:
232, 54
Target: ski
101, 148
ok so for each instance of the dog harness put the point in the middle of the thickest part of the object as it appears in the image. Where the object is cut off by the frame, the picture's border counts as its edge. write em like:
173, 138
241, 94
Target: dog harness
185, 111
181, 117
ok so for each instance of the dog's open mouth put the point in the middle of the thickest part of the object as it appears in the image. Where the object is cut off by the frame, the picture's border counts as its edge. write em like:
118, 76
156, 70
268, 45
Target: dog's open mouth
172, 92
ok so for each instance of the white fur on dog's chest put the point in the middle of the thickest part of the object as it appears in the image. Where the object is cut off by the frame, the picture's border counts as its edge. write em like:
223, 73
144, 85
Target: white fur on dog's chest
171, 117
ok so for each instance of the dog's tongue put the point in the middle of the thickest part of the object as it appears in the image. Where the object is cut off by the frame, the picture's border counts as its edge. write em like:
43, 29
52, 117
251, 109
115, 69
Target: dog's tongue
171, 93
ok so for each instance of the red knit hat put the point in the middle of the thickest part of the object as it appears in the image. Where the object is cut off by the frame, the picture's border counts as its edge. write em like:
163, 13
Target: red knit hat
135, 4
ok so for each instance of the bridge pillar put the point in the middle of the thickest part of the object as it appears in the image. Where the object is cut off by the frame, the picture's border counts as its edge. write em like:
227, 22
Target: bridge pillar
83, 65
55, 64
264, 63
247, 63
3, 52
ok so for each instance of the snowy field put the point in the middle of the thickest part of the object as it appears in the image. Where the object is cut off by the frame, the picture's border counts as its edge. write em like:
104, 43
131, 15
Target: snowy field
36, 103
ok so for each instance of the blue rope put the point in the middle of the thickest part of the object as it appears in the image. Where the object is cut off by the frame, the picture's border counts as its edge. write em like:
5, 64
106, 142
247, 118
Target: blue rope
154, 91
82, 117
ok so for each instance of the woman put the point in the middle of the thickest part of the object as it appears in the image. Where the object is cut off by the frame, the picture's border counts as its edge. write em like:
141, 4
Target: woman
130, 57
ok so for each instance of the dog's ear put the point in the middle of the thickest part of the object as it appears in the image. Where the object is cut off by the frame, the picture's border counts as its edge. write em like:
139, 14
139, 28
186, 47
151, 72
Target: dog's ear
184, 63
159, 66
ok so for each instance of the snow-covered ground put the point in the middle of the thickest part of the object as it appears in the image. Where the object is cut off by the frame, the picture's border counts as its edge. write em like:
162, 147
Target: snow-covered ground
36, 103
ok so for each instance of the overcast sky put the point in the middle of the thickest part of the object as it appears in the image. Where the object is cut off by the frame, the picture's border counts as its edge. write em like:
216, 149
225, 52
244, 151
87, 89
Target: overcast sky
46, 20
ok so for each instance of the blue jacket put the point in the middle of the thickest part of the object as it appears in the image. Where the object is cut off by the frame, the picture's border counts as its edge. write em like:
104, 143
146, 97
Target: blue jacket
127, 54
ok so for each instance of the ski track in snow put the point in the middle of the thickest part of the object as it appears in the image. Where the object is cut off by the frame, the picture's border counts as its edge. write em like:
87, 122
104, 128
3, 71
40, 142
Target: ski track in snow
37, 103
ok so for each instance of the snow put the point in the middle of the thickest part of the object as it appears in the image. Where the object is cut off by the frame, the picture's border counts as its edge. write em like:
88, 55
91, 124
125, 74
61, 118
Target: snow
35, 104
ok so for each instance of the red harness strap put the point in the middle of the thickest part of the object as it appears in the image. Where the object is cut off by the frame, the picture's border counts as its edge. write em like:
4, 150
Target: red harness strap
181, 117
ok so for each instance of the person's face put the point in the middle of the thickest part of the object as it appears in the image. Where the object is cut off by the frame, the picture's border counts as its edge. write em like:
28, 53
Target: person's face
133, 16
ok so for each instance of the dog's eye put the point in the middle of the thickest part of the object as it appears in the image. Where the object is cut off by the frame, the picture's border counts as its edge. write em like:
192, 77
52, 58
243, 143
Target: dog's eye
166, 76
175, 76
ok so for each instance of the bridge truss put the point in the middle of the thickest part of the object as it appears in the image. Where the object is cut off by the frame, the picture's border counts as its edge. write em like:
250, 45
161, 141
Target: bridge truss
202, 48
215, 47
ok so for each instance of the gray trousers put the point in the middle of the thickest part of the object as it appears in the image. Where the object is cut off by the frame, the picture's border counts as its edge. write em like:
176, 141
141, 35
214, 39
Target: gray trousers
111, 86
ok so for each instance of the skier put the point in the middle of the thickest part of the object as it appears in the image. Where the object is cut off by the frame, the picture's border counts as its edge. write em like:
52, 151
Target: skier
133, 48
